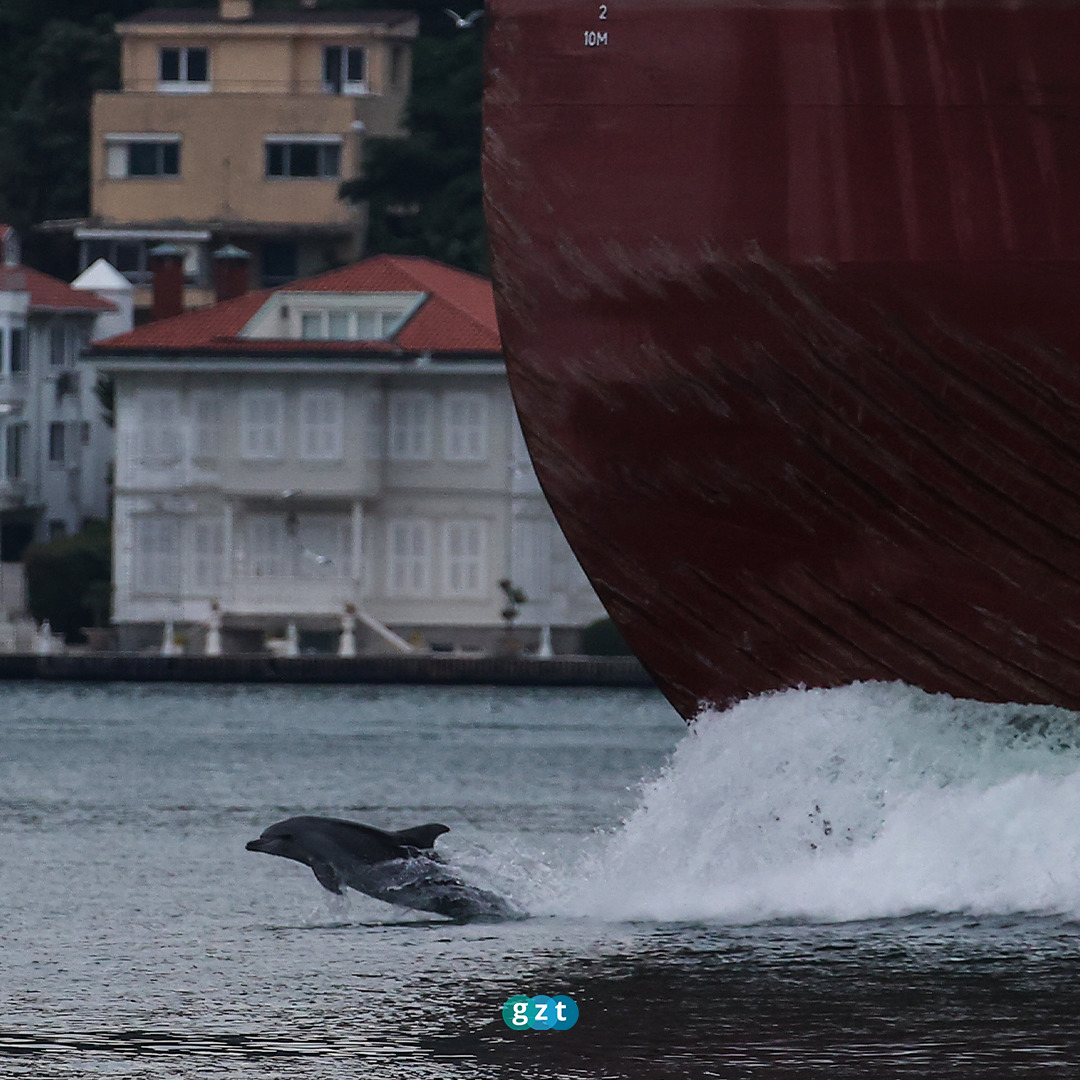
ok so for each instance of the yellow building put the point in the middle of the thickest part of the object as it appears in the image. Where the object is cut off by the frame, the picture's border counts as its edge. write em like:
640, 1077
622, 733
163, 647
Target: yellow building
237, 126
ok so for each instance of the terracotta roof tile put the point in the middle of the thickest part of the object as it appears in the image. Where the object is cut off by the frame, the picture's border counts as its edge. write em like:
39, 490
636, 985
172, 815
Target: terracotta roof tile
48, 293
458, 315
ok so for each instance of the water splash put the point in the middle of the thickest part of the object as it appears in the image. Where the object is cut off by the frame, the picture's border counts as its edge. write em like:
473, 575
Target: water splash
868, 801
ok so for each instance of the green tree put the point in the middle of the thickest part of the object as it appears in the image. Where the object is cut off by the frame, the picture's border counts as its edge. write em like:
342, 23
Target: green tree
602, 638
69, 581
424, 191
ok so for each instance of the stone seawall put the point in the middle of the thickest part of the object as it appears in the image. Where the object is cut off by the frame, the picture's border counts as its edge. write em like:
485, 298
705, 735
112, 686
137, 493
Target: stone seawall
427, 669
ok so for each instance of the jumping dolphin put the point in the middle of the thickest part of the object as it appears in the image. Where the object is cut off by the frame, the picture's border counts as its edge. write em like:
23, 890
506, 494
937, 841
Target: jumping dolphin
398, 867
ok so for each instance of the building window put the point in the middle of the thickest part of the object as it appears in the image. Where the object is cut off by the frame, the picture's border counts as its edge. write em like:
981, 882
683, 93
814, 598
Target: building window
15, 451
207, 555
411, 413
261, 415
142, 156
206, 414
18, 359
56, 443
321, 424
280, 261
363, 324
157, 554
344, 70
464, 559
58, 353
408, 561
158, 439
266, 546
303, 159
530, 557
184, 69
465, 424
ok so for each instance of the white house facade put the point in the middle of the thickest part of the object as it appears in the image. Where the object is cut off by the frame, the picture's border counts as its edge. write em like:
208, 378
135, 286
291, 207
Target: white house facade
55, 445
331, 466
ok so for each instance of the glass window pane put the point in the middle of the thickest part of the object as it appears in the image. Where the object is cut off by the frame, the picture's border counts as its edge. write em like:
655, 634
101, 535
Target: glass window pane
332, 68
304, 159
275, 159
355, 72
143, 159
197, 65
170, 65
331, 160
170, 159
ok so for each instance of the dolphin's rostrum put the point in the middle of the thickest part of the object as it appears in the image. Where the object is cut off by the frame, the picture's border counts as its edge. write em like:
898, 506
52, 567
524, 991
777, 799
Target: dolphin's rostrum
398, 867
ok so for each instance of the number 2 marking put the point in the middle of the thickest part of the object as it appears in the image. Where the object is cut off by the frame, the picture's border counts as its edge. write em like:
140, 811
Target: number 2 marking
603, 11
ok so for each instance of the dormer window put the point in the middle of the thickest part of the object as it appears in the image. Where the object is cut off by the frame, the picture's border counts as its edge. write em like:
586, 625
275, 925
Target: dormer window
184, 70
344, 70
323, 316
364, 324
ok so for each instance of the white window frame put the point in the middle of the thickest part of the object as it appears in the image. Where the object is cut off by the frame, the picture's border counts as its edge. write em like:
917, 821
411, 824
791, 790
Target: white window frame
158, 438
322, 144
206, 424
156, 549
183, 84
262, 436
410, 425
340, 83
118, 155
465, 426
408, 558
322, 425
464, 559
207, 558
16, 444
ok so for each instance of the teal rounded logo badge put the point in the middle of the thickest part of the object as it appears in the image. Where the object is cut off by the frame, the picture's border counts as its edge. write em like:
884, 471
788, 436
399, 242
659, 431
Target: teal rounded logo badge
566, 1012
515, 1012
540, 1012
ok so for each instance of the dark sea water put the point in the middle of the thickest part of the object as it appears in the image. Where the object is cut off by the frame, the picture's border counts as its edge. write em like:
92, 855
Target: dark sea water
868, 882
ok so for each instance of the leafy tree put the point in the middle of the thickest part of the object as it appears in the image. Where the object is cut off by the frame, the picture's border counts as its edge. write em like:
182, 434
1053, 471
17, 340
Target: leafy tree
68, 581
602, 638
425, 192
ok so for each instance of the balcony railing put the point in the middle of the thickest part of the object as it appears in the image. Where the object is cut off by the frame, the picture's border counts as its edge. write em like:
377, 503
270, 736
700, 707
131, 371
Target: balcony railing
287, 595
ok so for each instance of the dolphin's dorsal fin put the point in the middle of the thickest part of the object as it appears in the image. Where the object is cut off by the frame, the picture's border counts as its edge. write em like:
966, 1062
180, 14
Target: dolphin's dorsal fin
420, 836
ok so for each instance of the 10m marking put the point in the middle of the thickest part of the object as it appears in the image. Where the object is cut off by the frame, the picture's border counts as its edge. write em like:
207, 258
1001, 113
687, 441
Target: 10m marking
597, 37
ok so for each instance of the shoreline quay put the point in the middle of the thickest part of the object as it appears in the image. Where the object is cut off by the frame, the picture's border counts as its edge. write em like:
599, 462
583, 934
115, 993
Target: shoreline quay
262, 668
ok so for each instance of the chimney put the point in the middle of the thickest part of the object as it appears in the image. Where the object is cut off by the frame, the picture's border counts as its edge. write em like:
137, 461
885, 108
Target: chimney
167, 268
235, 10
230, 271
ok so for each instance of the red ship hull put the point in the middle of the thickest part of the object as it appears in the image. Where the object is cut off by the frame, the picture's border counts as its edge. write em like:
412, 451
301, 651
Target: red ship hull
790, 299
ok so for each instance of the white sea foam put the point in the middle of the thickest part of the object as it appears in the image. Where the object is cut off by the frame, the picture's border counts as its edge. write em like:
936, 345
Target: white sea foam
868, 801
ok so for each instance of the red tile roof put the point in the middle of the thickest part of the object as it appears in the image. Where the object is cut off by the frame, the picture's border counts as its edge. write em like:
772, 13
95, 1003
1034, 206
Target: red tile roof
46, 292
457, 316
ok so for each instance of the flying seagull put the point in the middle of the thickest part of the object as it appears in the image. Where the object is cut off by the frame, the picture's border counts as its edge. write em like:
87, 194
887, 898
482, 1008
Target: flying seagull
464, 23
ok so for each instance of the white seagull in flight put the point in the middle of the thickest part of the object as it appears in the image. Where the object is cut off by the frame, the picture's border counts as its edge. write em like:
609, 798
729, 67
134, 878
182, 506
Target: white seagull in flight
464, 23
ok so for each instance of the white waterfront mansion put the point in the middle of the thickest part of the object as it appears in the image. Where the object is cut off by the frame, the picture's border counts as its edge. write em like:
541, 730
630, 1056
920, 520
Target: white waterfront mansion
330, 465
55, 447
